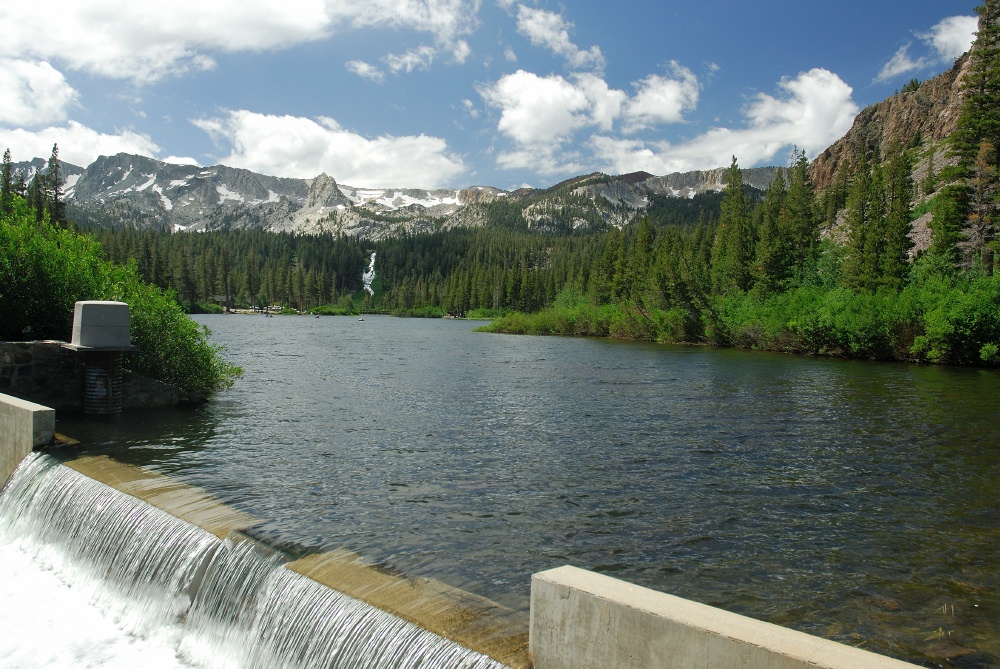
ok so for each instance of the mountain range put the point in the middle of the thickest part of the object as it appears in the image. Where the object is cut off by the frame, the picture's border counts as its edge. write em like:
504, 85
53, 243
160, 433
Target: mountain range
139, 192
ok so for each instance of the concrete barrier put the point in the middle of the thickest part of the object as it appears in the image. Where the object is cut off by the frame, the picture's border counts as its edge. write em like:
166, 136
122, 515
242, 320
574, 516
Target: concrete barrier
584, 620
23, 426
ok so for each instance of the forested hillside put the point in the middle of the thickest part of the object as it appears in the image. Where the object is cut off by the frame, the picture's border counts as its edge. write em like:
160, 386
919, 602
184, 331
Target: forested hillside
842, 271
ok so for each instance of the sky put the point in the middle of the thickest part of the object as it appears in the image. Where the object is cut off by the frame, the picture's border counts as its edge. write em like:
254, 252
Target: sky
457, 93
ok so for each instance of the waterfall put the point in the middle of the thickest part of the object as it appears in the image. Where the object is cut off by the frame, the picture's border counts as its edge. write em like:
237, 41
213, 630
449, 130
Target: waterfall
200, 600
369, 275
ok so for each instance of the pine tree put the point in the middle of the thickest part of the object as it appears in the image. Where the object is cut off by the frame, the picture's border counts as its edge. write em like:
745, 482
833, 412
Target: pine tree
894, 263
53, 189
971, 202
771, 259
36, 197
799, 219
979, 120
865, 218
6, 185
734, 244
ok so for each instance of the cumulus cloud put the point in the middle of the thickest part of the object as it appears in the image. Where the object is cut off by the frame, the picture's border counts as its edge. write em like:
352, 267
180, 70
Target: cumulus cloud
302, 147
952, 36
78, 144
33, 93
663, 99
542, 114
551, 31
365, 70
945, 41
811, 111
144, 42
537, 109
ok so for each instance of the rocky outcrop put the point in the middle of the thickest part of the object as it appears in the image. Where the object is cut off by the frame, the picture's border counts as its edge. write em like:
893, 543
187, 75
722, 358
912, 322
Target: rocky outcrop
928, 113
323, 192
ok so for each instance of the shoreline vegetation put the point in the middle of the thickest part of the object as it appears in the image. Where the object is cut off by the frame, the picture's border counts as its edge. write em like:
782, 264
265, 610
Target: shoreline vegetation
46, 268
935, 319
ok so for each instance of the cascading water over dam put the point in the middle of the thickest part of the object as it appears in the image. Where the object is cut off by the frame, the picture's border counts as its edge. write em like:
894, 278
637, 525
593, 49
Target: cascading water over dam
208, 601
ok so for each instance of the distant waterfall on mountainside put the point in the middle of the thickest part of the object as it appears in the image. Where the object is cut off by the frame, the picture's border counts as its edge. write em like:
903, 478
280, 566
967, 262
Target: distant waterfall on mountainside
179, 596
369, 275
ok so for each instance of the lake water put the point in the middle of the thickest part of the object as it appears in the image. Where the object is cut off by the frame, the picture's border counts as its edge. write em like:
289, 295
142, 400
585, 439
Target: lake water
856, 501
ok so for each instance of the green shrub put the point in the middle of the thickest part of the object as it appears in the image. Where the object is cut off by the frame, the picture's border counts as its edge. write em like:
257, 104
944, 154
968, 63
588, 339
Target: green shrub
44, 270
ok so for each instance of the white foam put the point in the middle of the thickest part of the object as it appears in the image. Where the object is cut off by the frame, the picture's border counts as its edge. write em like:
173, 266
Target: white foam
47, 622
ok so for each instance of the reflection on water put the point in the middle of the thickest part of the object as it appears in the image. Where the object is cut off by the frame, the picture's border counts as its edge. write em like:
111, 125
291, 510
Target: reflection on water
852, 500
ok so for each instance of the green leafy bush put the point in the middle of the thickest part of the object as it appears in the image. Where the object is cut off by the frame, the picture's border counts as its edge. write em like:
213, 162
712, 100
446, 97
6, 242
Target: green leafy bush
45, 270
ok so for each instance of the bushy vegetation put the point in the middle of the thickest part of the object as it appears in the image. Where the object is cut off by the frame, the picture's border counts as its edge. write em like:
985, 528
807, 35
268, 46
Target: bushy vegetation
45, 269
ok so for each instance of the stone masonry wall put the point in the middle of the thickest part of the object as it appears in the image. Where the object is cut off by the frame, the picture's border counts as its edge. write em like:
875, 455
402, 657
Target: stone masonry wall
46, 373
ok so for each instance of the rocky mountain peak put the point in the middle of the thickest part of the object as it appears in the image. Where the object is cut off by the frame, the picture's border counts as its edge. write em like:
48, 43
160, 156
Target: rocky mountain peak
323, 192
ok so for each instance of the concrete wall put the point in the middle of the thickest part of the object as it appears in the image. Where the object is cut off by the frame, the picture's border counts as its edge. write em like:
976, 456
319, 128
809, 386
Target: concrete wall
47, 373
23, 425
583, 620
43, 372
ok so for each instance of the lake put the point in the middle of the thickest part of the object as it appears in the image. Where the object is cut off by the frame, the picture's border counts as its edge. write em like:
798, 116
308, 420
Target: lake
856, 501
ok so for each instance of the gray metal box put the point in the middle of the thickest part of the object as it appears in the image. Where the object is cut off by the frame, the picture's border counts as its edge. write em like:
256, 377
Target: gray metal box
102, 325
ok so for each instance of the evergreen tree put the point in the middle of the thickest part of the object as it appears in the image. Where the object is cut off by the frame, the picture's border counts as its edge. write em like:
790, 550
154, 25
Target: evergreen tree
771, 260
54, 194
799, 219
734, 244
979, 120
36, 197
6, 185
971, 204
865, 218
984, 201
894, 263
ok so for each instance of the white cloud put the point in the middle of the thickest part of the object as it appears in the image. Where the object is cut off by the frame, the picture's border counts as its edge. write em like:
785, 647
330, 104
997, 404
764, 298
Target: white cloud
414, 59
300, 147
947, 40
537, 110
145, 42
365, 70
509, 55
78, 144
470, 108
542, 114
181, 160
662, 99
901, 63
952, 36
814, 110
33, 93
551, 31
605, 104
460, 52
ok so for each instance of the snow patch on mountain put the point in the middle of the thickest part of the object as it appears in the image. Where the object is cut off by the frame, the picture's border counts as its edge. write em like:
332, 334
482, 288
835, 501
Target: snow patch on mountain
148, 184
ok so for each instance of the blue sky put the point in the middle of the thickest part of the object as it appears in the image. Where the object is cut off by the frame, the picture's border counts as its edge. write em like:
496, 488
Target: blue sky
454, 93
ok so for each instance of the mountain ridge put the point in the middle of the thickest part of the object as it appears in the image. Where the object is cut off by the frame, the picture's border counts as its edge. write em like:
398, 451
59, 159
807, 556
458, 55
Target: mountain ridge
127, 190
